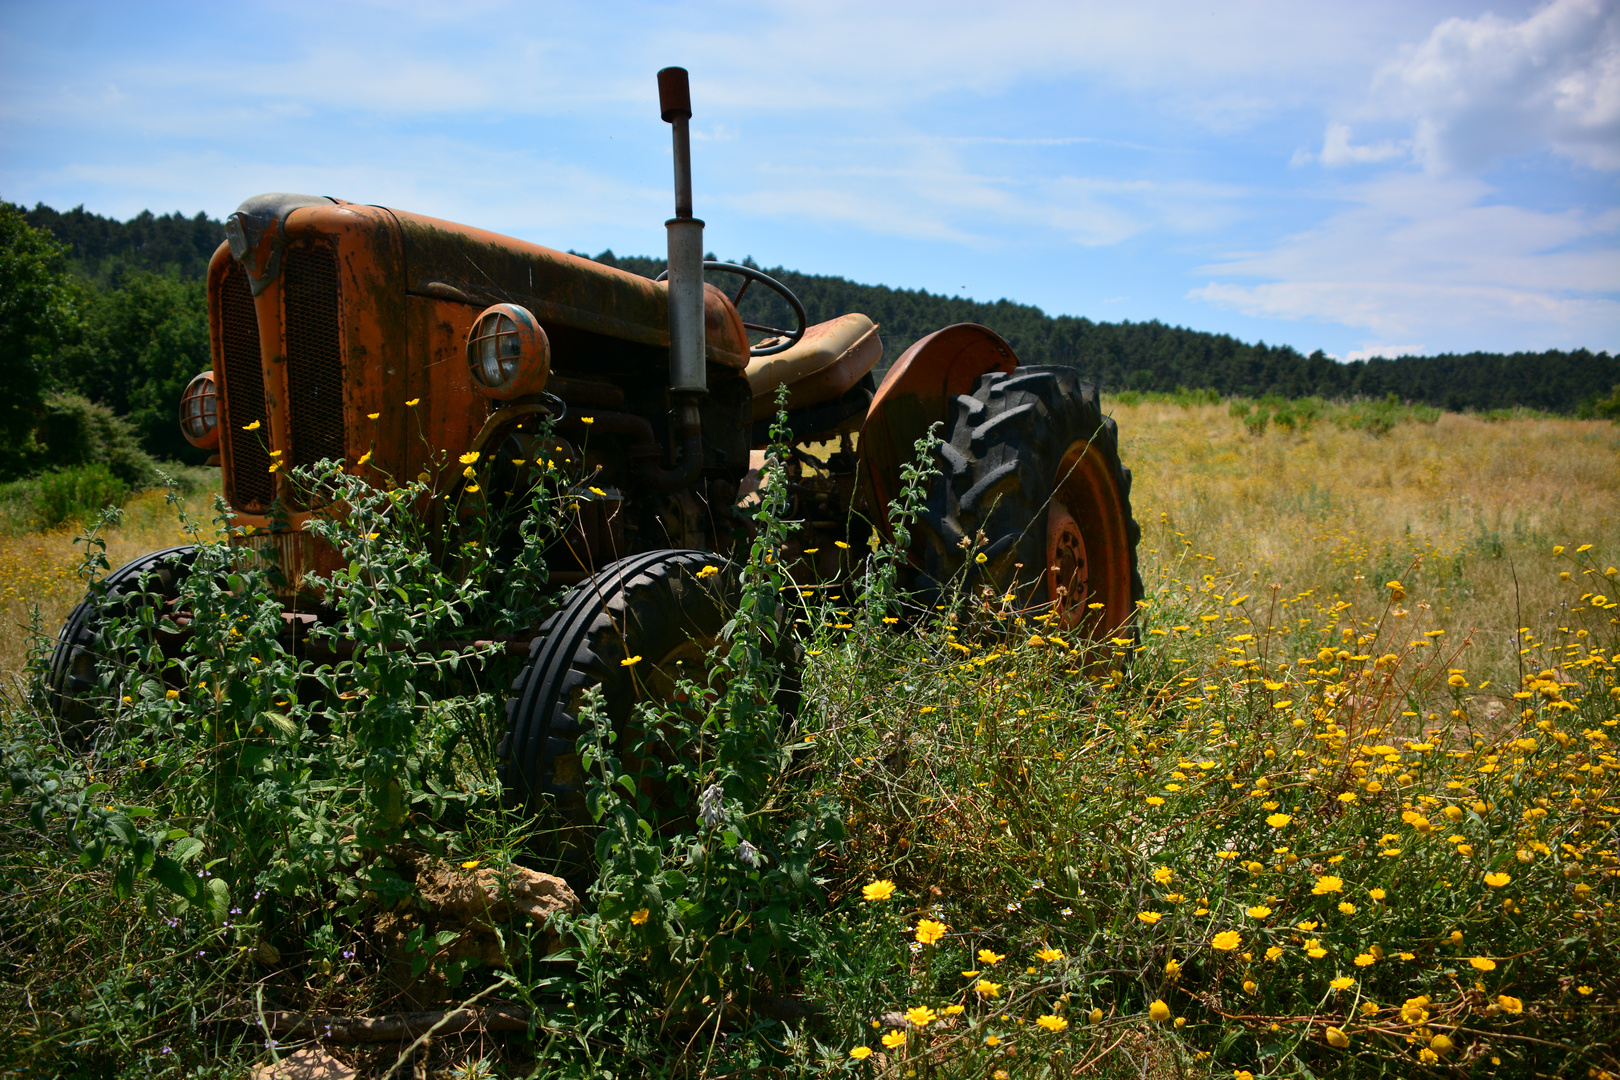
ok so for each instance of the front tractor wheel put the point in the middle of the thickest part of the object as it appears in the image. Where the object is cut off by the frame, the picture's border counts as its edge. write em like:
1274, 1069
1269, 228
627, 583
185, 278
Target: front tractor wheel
71, 680
1032, 502
666, 607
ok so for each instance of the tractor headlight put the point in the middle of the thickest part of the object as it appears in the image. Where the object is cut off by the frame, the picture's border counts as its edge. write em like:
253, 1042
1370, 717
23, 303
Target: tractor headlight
199, 412
508, 354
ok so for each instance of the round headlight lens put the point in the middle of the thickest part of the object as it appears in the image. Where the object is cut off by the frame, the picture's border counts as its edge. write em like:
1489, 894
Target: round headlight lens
508, 354
199, 412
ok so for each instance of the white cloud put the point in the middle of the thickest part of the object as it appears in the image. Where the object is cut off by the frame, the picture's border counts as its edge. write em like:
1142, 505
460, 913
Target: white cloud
1417, 257
1477, 90
1386, 351
1338, 150
985, 197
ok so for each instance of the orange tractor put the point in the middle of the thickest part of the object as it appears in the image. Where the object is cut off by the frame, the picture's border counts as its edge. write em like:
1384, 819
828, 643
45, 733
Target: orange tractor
400, 345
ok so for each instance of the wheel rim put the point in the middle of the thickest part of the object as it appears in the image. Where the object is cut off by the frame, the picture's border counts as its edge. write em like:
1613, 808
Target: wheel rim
686, 660
1088, 557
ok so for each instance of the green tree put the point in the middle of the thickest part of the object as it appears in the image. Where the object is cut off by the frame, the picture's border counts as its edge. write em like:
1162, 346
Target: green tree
38, 311
141, 344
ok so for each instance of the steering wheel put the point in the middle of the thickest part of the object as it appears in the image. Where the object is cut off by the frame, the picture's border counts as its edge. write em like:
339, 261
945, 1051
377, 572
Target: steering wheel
749, 276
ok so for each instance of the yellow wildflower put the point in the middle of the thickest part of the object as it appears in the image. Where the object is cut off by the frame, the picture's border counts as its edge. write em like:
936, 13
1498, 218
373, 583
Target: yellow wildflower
921, 1015
881, 889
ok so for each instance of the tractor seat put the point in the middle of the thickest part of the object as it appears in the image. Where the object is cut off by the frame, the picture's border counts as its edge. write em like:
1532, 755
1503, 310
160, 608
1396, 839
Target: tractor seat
831, 358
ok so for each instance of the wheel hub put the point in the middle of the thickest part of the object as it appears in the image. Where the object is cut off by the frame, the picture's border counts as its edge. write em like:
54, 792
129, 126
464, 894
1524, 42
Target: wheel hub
1067, 573
1086, 526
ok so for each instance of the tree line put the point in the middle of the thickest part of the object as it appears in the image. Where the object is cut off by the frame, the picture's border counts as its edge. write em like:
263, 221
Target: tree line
113, 313
1152, 356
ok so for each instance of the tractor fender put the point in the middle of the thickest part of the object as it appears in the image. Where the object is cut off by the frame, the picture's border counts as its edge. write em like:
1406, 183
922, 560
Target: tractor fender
915, 394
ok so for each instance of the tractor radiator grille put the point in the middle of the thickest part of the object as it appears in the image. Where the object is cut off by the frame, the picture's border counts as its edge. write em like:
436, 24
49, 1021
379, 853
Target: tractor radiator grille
314, 355
251, 481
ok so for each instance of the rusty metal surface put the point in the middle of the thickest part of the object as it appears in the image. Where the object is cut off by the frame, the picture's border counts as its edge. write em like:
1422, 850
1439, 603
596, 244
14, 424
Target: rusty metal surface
915, 393
447, 260
296, 553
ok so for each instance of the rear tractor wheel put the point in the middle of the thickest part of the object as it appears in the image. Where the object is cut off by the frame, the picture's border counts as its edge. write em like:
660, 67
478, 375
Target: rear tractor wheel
1033, 503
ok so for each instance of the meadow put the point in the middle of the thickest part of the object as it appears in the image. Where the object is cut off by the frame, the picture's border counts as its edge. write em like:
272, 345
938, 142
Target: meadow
1346, 805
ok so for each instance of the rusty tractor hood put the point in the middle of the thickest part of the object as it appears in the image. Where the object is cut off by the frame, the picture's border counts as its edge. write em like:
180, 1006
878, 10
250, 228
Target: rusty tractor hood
448, 261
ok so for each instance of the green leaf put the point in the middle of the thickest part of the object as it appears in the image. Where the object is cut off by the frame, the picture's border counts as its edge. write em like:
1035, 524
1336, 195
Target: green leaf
124, 881
217, 899
445, 937
121, 829
188, 847
172, 876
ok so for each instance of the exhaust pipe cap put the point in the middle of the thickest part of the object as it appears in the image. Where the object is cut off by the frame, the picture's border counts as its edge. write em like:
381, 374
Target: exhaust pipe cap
674, 94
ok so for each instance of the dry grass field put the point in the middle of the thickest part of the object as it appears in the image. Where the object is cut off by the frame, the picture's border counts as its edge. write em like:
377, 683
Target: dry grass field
42, 568
1465, 510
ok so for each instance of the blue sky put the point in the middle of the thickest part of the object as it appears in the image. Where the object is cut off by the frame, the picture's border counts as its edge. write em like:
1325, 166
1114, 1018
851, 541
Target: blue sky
1363, 178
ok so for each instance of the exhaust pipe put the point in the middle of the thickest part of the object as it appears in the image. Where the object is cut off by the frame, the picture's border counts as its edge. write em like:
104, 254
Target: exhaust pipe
686, 361
688, 380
